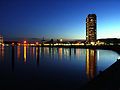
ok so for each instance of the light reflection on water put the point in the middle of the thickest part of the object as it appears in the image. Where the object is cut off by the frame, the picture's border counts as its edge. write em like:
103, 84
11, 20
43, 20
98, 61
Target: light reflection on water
2, 53
70, 67
91, 63
25, 53
18, 52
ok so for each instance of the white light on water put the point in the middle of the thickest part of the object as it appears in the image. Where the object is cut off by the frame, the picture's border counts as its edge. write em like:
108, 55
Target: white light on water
98, 55
119, 58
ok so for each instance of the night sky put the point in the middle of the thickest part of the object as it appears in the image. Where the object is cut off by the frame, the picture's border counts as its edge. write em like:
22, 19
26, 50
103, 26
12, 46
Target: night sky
58, 18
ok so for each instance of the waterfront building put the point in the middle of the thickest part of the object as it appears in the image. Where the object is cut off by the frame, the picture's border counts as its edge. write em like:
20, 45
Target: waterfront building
91, 29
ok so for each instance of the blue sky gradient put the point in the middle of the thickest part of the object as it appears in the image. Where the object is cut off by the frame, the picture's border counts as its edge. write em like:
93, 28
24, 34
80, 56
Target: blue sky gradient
58, 18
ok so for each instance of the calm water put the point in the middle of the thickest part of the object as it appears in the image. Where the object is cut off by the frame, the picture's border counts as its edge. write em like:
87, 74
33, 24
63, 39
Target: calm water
23, 67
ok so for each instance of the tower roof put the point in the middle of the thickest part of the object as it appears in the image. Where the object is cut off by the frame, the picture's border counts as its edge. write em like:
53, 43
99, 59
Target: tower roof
92, 15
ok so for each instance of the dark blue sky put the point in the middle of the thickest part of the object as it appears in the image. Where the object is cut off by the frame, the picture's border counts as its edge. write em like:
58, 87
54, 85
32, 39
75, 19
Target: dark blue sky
58, 18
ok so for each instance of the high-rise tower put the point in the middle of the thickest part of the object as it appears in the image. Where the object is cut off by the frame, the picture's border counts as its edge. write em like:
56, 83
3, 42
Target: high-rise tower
91, 28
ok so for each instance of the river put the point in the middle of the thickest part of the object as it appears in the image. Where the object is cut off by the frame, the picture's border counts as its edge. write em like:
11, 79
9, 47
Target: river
41, 68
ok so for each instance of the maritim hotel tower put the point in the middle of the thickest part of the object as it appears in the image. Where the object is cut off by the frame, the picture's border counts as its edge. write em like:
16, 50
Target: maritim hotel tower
91, 29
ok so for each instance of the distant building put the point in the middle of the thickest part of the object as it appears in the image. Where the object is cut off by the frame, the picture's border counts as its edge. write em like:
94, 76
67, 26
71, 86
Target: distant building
91, 28
1, 39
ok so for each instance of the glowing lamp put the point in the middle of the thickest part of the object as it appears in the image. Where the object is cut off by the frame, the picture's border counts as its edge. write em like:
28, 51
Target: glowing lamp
37, 43
61, 40
13, 44
18, 44
25, 42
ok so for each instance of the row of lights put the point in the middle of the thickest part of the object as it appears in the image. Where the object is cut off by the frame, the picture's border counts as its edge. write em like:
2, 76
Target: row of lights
56, 44
38, 44
26, 44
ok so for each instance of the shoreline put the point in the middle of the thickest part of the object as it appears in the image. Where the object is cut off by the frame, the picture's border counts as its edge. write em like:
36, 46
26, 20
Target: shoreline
109, 79
115, 48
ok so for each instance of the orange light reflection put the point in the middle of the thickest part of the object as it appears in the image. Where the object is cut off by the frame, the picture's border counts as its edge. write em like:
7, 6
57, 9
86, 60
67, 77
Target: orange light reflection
60, 52
36, 52
18, 52
25, 54
90, 63
2, 52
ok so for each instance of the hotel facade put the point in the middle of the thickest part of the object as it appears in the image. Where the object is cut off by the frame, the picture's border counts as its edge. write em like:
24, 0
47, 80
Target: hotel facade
91, 29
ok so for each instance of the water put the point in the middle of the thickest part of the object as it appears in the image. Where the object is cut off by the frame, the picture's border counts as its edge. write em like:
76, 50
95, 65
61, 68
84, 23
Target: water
41, 68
